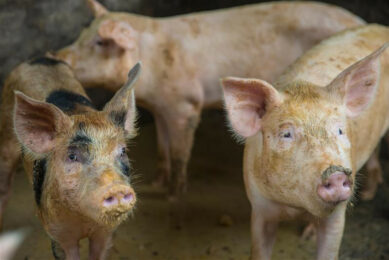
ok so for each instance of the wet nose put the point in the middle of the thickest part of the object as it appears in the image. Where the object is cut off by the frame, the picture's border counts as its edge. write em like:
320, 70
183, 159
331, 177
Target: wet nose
335, 188
121, 196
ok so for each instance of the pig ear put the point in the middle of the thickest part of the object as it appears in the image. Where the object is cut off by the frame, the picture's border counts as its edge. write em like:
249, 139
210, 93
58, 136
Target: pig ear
247, 101
97, 8
121, 108
37, 124
357, 84
120, 32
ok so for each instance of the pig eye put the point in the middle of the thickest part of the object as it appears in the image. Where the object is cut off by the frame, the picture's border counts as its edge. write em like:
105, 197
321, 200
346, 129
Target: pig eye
102, 43
287, 135
340, 131
286, 132
72, 157
123, 151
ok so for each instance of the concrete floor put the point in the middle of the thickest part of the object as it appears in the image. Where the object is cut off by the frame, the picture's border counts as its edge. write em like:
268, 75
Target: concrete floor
216, 191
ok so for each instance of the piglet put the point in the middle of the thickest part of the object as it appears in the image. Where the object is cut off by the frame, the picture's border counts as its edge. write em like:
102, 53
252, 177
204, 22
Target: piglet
74, 155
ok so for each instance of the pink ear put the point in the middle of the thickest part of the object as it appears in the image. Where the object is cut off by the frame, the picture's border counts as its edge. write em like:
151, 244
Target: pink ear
357, 84
120, 32
37, 123
97, 8
247, 101
121, 108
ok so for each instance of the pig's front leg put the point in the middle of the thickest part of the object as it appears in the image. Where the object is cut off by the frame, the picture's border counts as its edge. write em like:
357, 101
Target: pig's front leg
329, 234
263, 235
99, 243
163, 160
65, 251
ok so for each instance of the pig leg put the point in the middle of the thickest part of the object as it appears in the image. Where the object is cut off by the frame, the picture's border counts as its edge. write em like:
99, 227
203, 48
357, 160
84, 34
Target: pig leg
58, 252
329, 234
163, 164
181, 134
374, 176
9, 156
71, 251
99, 243
263, 235
309, 232
65, 246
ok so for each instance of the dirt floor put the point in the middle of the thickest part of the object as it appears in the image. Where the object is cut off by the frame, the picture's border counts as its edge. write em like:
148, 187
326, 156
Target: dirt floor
216, 195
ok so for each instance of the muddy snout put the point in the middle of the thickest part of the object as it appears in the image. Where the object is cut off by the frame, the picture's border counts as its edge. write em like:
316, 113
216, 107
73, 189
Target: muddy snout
118, 198
336, 184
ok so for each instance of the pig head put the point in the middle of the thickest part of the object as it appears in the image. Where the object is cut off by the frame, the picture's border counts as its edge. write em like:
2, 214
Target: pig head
302, 133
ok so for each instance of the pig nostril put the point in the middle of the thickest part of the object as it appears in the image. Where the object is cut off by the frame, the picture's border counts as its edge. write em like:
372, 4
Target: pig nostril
110, 201
346, 184
327, 185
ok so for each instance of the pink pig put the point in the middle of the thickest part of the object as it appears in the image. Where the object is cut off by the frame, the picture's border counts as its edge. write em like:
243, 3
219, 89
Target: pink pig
309, 132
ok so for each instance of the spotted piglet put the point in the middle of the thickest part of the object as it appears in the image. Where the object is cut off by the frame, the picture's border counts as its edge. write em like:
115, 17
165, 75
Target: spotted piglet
74, 155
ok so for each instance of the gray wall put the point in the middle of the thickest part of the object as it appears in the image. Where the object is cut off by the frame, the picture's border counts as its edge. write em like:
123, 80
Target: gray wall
29, 28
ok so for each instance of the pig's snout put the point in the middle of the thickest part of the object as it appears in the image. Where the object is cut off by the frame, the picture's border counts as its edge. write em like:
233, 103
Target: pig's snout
122, 197
335, 188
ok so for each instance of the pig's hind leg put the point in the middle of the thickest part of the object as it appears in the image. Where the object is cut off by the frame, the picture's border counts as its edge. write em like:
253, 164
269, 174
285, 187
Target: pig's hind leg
163, 160
9, 156
181, 135
373, 176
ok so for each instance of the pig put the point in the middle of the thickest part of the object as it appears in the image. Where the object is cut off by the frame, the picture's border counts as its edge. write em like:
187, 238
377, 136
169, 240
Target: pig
307, 134
74, 155
184, 57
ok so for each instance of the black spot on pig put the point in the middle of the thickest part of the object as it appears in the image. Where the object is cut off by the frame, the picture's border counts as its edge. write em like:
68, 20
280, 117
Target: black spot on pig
81, 138
46, 61
39, 172
67, 100
118, 117
125, 168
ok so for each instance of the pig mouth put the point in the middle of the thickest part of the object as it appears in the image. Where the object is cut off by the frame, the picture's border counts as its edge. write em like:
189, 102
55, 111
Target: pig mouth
114, 217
